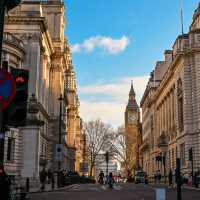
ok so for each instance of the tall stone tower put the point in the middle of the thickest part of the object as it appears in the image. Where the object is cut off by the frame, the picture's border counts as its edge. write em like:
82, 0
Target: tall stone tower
132, 132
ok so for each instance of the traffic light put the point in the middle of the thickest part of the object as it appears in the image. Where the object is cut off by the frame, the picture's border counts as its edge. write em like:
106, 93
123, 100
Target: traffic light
190, 154
17, 110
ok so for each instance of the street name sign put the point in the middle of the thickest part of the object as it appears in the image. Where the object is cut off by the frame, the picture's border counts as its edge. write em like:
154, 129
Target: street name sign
58, 156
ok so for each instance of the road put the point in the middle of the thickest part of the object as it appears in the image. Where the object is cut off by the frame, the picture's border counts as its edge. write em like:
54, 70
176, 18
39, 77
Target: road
119, 192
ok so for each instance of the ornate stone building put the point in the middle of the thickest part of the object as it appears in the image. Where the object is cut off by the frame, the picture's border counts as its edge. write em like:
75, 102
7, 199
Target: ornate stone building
132, 133
34, 40
170, 106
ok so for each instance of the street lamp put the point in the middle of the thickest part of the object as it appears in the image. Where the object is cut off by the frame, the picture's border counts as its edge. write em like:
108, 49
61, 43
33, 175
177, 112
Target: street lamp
107, 160
60, 99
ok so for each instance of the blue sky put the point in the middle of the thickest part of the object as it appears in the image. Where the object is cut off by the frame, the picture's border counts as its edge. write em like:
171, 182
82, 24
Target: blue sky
116, 41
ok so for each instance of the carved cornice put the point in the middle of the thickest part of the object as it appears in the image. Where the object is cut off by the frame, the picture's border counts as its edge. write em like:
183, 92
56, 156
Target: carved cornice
24, 20
45, 2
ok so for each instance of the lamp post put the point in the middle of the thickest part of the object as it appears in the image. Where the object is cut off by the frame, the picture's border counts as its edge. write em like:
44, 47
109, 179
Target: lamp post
191, 160
107, 160
60, 99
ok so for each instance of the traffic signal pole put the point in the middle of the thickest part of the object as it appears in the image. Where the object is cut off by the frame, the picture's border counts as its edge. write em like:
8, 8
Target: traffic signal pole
4, 4
178, 179
2, 133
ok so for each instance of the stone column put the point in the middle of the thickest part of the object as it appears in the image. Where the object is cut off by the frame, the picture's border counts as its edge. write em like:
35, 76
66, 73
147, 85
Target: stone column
32, 61
30, 160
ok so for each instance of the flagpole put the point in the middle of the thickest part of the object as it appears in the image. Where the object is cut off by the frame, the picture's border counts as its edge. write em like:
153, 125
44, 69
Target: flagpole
181, 8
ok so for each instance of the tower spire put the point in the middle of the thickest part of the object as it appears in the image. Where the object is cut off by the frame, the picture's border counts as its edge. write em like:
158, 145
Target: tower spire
132, 92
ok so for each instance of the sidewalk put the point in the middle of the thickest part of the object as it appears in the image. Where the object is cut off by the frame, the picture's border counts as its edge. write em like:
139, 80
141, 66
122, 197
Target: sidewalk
174, 187
49, 189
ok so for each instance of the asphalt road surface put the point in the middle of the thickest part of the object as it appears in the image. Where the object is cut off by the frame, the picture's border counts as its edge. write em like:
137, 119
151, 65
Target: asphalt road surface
119, 192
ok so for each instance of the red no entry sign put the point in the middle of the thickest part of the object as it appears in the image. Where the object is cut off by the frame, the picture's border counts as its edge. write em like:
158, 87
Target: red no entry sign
7, 89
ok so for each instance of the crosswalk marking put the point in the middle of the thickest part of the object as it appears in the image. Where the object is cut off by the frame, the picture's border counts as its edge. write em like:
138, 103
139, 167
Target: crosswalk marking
78, 187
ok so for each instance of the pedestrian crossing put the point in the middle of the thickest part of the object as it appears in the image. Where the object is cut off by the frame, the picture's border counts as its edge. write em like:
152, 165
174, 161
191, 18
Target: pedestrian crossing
94, 187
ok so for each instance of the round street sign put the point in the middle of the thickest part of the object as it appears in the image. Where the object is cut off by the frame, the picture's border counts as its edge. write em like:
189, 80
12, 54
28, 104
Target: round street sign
7, 89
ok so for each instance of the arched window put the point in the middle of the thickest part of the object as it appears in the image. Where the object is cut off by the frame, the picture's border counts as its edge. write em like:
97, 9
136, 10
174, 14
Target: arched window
180, 105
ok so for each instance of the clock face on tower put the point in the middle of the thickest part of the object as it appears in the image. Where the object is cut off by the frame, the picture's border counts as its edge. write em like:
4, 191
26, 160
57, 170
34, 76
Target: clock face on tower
132, 118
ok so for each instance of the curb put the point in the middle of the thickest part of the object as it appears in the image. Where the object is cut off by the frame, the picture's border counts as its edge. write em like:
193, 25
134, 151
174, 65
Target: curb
183, 187
191, 188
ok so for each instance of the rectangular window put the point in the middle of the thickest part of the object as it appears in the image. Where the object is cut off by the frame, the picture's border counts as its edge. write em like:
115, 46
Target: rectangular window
10, 149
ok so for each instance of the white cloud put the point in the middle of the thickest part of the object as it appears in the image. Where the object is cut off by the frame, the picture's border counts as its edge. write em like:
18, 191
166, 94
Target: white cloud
76, 48
110, 45
109, 99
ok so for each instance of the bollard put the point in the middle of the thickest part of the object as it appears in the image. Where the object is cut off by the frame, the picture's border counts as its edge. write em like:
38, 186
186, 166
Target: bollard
160, 194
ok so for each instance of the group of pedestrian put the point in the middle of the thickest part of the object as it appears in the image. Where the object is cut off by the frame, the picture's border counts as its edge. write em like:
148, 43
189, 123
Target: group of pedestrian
109, 179
47, 177
172, 178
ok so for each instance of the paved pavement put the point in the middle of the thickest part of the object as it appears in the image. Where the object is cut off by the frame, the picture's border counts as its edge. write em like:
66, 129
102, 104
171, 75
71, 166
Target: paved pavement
119, 192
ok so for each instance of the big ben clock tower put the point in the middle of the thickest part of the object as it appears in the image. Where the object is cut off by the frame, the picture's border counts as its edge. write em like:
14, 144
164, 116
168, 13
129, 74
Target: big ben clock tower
132, 131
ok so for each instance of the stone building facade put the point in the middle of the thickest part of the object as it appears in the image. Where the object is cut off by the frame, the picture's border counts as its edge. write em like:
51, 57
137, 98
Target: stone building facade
171, 109
34, 40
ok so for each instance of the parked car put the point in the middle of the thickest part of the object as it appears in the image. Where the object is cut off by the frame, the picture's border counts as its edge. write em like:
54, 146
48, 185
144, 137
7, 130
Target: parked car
141, 177
74, 178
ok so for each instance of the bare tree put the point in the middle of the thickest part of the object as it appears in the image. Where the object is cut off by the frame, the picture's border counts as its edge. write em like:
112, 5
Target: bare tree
98, 134
121, 151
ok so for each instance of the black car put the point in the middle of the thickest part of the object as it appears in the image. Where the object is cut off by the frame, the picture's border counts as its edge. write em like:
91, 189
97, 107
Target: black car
141, 177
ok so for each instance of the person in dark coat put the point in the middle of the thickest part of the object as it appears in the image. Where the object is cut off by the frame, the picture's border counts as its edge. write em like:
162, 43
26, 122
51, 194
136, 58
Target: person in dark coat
49, 174
4, 184
52, 182
170, 177
27, 184
43, 177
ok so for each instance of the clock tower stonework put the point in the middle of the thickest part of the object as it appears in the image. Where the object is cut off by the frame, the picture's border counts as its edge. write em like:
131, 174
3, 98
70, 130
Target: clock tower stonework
132, 132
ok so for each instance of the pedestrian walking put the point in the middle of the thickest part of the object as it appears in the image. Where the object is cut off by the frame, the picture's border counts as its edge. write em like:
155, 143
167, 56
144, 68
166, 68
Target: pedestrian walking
196, 181
101, 178
4, 184
27, 184
52, 182
49, 175
110, 180
43, 176
170, 177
